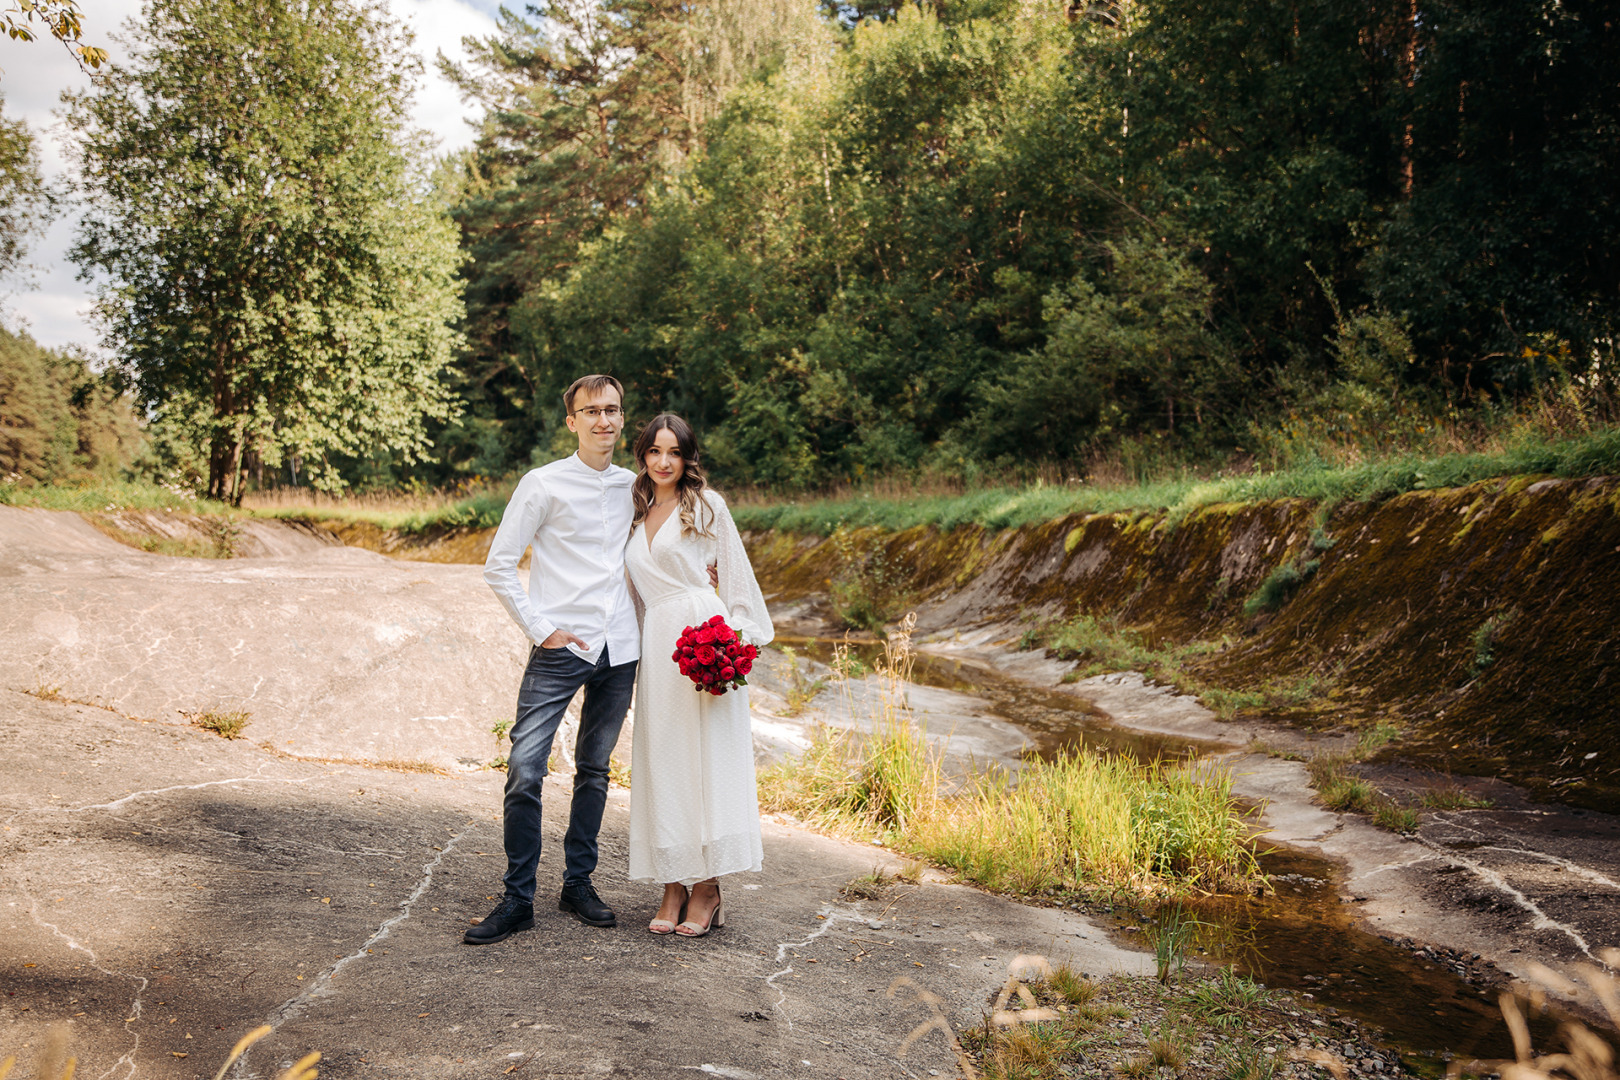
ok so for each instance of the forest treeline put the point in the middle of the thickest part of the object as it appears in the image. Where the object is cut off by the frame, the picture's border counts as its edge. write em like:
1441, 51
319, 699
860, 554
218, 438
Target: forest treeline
59, 421
963, 237
979, 232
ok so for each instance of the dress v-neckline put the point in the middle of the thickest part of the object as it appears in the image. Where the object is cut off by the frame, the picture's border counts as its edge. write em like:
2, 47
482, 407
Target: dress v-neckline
652, 534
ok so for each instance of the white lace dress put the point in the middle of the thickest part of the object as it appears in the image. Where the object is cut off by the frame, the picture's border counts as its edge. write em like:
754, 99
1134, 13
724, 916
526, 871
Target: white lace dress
694, 812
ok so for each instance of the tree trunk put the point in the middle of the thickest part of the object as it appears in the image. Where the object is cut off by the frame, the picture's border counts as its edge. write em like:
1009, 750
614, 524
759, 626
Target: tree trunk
224, 445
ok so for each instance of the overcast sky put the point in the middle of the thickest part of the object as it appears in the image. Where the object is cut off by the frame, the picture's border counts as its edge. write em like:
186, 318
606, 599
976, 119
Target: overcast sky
33, 75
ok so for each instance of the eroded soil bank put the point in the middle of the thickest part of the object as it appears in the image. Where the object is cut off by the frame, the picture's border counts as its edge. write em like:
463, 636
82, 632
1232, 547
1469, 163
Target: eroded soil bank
1481, 620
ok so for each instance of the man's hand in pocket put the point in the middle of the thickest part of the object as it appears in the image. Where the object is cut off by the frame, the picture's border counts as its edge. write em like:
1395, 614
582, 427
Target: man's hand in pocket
559, 638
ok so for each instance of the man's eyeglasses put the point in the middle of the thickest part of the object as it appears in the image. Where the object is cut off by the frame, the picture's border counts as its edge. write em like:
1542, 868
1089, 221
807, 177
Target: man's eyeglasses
593, 413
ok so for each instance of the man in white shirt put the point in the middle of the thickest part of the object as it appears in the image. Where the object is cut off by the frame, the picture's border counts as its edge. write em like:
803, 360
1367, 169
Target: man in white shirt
582, 630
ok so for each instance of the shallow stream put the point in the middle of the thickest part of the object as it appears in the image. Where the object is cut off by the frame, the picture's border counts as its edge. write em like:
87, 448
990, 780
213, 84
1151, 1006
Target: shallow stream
1300, 937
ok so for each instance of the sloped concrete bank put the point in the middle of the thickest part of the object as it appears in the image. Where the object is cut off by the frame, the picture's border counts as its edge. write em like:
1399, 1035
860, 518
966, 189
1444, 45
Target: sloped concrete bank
1482, 620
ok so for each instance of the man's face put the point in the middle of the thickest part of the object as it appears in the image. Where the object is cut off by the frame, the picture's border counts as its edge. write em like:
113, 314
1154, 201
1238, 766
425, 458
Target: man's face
597, 420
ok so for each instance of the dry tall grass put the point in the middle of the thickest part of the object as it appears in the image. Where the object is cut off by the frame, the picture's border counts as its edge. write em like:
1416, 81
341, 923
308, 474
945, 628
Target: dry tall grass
1587, 1056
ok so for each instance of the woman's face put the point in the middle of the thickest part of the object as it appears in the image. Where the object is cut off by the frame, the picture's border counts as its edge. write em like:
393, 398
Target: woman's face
663, 461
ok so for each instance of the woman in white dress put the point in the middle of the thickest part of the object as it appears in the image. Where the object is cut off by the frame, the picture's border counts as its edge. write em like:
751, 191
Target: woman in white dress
694, 812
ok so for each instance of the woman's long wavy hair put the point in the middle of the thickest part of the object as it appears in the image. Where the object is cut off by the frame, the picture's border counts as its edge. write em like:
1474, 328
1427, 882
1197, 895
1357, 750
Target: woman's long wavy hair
690, 486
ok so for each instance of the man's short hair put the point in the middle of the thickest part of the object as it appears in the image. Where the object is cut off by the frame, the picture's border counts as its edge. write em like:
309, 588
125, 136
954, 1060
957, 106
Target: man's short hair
593, 384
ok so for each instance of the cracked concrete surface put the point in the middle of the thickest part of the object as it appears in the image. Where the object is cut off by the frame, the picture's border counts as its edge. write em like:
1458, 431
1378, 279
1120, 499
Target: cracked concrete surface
164, 890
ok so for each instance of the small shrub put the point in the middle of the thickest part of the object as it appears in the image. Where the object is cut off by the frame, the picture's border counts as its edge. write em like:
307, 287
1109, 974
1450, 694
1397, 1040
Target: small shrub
225, 724
53, 692
1486, 638
1279, 586
500, 729
870, 590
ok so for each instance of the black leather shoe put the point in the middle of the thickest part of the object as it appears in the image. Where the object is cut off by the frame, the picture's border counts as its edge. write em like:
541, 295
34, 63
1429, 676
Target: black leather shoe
586, 906
508, 918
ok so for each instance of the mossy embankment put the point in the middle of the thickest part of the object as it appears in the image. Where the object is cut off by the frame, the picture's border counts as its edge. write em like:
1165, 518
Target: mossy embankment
1481, 619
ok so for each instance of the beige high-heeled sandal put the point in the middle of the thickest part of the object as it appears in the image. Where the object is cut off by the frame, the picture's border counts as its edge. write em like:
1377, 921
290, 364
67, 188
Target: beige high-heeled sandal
666, 926
690, 929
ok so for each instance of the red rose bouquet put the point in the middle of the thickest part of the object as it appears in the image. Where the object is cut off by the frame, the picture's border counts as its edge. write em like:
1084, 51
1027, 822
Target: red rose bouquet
714, 657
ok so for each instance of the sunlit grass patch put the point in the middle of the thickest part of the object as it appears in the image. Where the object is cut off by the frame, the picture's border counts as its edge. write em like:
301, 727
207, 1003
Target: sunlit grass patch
1079, 822
226, 723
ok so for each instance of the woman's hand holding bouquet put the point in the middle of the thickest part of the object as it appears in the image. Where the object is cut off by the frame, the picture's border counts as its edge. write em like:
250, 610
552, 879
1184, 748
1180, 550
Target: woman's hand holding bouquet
714, 657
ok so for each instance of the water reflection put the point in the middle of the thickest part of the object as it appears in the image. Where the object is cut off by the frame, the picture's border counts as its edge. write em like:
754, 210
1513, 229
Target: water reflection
1302, 938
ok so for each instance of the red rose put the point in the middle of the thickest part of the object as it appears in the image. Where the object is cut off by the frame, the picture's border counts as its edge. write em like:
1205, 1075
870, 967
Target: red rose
687, 649
704, 636
728, 673
745, 665
725, 635
718, 620
705, 655
716, 690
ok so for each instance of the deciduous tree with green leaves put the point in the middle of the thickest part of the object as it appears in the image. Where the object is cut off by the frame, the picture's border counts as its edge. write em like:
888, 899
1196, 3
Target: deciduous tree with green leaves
24, 203
272, 274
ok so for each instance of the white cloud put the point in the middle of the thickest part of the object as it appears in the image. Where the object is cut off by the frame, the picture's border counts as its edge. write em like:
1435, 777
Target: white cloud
34, 74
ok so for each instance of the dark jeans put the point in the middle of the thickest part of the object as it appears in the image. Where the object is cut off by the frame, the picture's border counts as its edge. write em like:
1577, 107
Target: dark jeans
549, 683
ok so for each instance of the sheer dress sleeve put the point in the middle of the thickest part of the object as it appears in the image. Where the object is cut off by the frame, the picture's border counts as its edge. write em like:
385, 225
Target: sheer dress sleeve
745, 605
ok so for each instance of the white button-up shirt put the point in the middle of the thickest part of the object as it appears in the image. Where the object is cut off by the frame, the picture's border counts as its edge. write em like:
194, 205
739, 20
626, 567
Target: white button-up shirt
577, 520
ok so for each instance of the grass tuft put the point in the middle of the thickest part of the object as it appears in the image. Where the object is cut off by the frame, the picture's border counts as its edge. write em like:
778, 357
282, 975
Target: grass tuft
1453, 796
410, 765
1071, 987
227, 724
1388, 814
